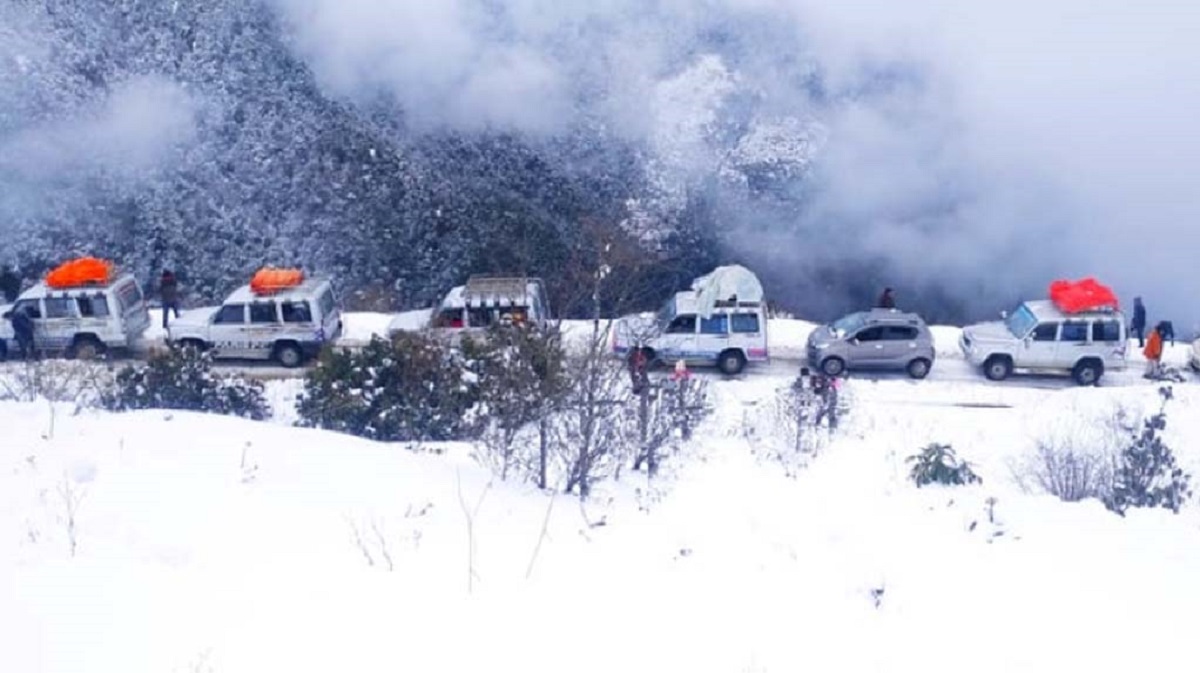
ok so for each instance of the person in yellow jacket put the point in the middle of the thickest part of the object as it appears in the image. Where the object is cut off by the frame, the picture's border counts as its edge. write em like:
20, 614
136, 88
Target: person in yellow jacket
1153, 352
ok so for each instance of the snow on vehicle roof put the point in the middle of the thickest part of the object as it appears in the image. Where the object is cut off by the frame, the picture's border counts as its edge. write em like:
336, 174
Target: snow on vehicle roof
305, 290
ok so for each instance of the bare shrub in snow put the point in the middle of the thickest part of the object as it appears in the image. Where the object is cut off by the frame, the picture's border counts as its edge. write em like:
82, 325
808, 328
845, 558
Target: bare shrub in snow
668, 410
591, 428
1068, 472
522, 377
788, 429
939, 464
182, 378
1146, 474
72, 498
80, 383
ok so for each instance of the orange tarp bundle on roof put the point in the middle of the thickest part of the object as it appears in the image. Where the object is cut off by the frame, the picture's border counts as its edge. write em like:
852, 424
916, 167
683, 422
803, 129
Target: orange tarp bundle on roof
82, 271
266, 281
1084, 295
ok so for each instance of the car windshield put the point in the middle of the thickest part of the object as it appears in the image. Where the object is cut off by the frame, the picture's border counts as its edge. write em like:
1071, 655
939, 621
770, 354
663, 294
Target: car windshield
666, 314
1021, 321
849, 324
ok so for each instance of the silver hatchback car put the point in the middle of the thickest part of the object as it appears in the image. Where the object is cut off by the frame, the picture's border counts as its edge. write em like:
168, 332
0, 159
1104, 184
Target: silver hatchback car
875, 339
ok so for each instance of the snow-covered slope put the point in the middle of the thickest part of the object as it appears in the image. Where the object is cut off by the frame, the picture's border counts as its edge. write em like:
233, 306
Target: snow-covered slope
213, 544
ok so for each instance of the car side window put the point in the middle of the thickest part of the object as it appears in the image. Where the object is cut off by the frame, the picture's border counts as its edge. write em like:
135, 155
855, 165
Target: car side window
1106, 331
296, 311
95, 306
870, 334
231, 314
1074, 331
682, 324
479, 317
1046, 331
900, 333
744, 323
58, 307
262, 312
715, 324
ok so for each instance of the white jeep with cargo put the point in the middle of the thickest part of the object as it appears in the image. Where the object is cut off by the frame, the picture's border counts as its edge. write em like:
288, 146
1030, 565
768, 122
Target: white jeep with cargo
80, 315
1040, 337
721, 321
288, 324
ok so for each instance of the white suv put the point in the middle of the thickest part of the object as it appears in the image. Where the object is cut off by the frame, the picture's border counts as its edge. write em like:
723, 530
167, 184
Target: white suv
733, 334
288, 326
81, 322
1039, 337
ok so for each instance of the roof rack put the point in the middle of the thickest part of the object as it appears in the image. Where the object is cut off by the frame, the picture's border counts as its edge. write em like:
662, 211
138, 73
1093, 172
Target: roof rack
498, 289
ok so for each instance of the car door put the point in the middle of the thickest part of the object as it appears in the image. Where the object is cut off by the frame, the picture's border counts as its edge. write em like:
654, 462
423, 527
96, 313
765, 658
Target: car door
712, 336
679, 339
899, 345
1073, 343
227, 331
34, 307
58, 325
1040, 347
746, 332
262, 330
866, 348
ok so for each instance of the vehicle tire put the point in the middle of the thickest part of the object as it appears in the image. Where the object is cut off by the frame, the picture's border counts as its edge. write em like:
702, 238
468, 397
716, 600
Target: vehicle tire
86, 348
833, 366
919, 368
1087, 372
192, 344
998, 367
289, 355
731, 362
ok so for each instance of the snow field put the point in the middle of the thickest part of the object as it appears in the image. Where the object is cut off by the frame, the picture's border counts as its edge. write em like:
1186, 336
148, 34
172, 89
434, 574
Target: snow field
209, 543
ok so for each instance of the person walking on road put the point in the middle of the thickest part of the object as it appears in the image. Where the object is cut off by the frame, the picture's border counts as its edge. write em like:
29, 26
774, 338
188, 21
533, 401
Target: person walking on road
1138, 325
168, 290
1153, 352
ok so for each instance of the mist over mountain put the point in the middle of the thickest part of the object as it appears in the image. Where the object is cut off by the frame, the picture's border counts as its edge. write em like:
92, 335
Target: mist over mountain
965, 156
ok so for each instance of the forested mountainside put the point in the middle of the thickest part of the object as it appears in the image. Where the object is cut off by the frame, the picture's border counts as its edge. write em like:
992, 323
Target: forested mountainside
209, 138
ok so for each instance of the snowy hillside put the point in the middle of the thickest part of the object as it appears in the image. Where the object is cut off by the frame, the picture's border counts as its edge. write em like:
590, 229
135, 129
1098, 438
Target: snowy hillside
169, 541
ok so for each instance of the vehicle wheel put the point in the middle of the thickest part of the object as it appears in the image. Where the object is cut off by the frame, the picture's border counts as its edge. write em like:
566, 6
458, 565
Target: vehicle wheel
833, 366
919, 368
731, 362
193, 345
289, 355
86, 348
997, 368
1087, 373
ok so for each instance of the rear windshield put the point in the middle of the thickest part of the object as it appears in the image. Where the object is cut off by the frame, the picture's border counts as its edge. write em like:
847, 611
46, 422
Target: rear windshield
129, 295
326, 303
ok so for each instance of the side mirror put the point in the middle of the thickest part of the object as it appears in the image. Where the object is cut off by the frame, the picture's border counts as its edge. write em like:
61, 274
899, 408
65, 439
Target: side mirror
7, 315
1004, 315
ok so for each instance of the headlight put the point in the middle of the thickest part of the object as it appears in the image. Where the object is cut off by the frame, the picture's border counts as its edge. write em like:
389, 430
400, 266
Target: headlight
821, 346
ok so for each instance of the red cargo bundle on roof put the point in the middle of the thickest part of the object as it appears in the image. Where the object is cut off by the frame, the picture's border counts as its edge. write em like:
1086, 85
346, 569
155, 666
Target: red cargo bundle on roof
1083, 295
267, 281
80, 272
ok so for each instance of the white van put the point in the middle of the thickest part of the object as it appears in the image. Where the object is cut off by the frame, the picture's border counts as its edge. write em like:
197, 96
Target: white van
721, 321
81, 322
288, 325
485, 301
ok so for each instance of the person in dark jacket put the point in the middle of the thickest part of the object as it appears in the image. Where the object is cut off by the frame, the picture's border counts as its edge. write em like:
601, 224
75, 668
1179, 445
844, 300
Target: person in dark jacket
1138, 324
168, 289
22, 322
10, 285
886, 300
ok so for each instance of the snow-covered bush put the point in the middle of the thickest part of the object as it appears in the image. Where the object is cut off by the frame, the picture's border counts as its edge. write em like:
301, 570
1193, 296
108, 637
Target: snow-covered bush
182, 378
82, 383
938, 464
668, 411
411, 388
1146, 473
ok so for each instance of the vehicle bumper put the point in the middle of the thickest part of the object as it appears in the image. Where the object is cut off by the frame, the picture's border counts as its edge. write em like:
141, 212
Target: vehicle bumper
971, 352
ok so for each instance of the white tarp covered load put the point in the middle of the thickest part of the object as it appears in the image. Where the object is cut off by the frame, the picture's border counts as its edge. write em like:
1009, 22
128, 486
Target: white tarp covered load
726, 283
